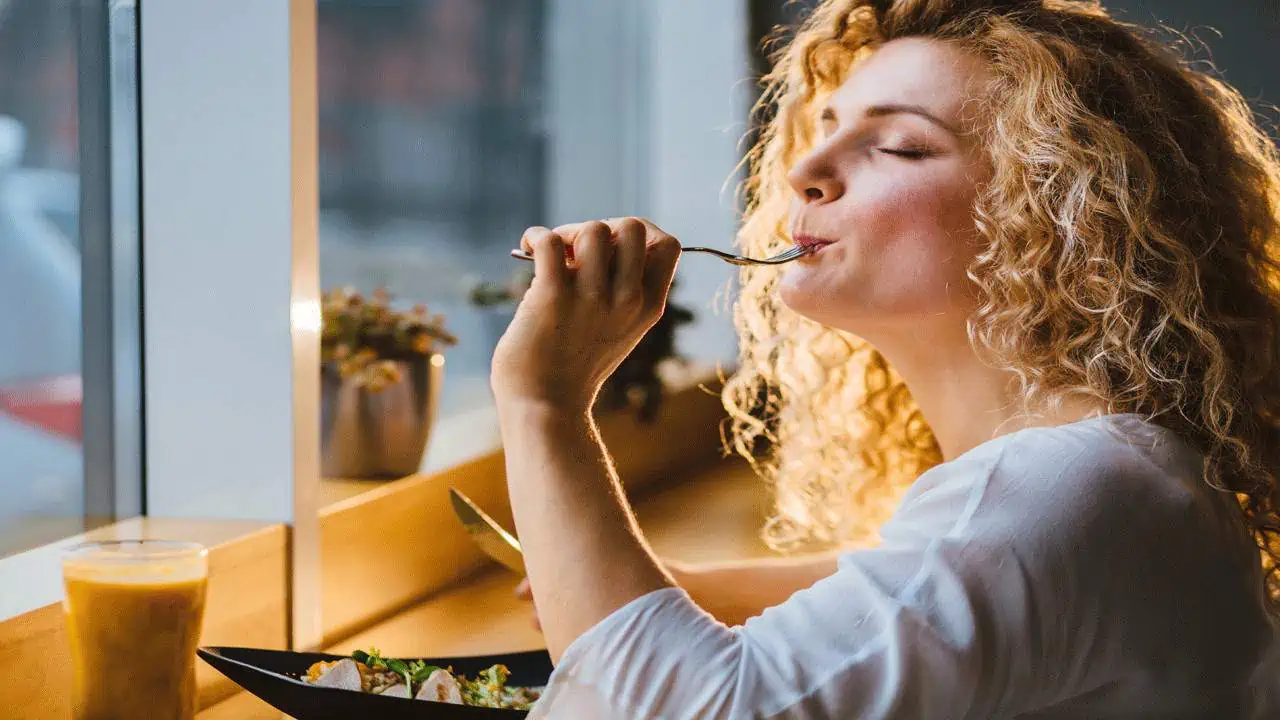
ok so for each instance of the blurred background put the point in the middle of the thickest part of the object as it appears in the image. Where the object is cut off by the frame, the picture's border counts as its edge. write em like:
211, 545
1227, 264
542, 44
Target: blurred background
446, 128
449, 126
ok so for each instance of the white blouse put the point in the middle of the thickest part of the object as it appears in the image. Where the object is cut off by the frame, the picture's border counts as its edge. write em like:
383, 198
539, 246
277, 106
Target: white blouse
1082, 571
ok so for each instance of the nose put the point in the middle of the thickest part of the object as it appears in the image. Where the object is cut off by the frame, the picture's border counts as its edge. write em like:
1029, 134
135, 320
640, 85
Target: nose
815, 179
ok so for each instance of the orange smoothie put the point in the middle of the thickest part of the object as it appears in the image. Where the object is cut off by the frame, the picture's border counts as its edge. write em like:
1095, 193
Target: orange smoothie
134, 612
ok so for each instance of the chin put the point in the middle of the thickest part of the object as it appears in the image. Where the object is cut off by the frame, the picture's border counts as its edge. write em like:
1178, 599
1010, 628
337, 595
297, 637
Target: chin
838, 300
816, 295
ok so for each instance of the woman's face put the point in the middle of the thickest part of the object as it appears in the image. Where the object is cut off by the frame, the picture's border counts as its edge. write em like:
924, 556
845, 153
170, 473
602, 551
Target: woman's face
887, 194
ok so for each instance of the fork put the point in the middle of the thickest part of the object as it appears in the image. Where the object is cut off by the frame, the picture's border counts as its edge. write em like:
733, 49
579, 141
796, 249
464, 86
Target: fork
785, 256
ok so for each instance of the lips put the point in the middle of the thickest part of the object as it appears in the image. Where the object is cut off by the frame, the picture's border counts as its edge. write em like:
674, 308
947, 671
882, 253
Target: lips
811, 243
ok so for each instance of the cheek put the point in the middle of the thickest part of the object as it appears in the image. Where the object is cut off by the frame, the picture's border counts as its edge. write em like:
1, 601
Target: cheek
927, 242
903, 251
929, 216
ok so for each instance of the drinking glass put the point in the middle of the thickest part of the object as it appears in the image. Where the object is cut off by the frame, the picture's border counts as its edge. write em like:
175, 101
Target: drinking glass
134, 610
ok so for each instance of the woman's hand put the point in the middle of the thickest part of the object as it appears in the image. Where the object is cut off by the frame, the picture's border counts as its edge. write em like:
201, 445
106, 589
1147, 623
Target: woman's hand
577, 323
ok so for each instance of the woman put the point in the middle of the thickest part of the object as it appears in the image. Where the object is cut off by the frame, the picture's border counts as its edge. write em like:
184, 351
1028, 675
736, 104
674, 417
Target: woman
1063, 241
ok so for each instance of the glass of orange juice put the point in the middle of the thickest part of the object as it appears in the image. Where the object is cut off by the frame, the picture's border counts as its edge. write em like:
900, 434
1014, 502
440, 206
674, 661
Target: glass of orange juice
134, 609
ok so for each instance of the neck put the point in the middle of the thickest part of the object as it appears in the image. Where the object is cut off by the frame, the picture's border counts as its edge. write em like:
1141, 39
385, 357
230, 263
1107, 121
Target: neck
965, 401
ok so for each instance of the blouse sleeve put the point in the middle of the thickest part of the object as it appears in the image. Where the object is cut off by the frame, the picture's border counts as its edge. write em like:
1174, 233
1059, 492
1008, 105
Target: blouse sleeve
1016, 578
928, 625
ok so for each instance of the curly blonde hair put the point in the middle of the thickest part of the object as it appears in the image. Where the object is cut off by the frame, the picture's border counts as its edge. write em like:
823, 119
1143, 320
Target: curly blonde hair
1129, 255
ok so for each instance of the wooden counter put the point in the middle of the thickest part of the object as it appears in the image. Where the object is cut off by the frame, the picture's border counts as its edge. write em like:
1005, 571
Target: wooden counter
419, 547
716, 515
35, 657
398, 571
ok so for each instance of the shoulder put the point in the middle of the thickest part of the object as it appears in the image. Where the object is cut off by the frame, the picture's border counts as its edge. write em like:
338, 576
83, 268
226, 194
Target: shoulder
1057, 482
1102, 464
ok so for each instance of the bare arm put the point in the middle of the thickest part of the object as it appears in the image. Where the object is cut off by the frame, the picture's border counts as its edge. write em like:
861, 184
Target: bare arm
583, 550
592, 559
577, 322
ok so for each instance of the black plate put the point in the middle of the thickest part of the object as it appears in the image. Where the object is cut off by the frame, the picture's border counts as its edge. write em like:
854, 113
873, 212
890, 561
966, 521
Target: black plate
273, 676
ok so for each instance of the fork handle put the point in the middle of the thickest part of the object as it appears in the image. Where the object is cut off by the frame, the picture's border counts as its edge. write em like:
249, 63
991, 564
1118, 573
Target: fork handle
522, 255
727, 257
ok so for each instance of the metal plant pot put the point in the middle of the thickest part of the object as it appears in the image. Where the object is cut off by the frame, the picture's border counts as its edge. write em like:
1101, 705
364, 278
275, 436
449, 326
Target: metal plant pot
382, 434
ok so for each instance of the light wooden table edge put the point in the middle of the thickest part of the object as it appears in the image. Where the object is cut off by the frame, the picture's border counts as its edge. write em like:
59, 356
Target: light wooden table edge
685, 437
716, 515
34, 652
361, 583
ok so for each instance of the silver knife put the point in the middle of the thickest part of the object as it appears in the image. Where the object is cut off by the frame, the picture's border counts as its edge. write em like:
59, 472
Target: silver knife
496, 542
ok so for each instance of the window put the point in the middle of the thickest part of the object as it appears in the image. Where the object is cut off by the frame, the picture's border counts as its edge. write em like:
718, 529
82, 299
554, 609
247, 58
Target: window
449, 126
431, 156
69, 417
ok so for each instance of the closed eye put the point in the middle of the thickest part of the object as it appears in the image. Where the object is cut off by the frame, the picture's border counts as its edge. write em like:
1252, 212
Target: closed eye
908, 153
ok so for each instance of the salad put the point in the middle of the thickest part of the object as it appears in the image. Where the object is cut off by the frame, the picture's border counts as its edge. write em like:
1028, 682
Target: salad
370, 672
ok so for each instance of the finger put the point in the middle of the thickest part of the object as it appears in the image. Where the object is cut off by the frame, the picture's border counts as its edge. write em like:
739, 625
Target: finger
653, 234
527, 246
548, 250
537, 624
526, 242
569, 231
659, 270
593, 249
629, 261
523, 591
654, 230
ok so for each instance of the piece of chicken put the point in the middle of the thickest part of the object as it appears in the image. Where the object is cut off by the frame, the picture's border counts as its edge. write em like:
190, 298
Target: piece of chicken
440, 686
344, 675
401, 691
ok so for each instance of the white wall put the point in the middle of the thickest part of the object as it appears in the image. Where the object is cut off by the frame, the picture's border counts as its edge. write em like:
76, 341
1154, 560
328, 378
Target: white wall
700, 95
218, 223
596, 64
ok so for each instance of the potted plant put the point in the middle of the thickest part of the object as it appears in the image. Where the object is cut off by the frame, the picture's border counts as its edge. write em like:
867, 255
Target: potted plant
637, 383
380, 371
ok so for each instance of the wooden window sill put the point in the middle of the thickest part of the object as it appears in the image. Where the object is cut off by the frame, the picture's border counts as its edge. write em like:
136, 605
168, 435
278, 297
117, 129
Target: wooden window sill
714, 515
419, 547
369, 580
246, 606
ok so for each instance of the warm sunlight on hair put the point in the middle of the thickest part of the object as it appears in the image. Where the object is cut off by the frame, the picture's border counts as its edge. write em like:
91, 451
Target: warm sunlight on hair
1129, 237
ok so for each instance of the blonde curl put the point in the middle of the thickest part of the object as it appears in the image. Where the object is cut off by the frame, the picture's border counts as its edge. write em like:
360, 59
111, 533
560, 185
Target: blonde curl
1129, 256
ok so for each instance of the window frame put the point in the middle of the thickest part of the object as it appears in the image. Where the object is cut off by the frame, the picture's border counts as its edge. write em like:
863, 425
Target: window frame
191, 441
111, 260
111, 381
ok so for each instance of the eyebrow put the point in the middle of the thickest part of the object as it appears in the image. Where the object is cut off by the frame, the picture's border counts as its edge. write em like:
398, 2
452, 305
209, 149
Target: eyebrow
877, 111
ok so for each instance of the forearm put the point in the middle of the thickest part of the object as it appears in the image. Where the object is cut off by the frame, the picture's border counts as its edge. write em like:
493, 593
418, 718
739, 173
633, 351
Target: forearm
736, 591
583, 551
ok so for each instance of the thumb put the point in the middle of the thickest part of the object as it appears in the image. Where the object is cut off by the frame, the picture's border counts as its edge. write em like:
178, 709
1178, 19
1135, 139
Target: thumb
660, 270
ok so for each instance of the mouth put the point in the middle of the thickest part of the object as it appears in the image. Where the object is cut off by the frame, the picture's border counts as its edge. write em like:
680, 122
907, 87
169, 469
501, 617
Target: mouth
811, 244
